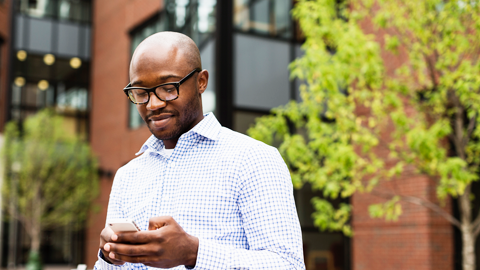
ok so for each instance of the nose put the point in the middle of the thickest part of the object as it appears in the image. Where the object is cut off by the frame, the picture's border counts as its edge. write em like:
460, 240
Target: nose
155, 103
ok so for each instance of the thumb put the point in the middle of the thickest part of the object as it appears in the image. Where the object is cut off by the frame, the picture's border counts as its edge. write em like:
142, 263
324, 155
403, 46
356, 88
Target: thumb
156, 223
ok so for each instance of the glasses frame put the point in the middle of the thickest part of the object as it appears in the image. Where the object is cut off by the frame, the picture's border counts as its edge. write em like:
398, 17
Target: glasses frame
152, 89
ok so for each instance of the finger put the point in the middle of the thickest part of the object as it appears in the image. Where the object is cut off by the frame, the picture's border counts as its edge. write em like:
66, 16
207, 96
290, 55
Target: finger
132, 259
130, 250
141, 237
156, 223
105, 235
114, 237
110, 260
115, 261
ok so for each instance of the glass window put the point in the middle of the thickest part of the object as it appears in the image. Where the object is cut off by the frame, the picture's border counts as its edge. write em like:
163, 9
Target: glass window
243, 120
33, 96
260, 63
323, 250
16, 95
71, 10
194, 18
51, 81
265, 17
259, 15
153, 26
135, 120
73, 99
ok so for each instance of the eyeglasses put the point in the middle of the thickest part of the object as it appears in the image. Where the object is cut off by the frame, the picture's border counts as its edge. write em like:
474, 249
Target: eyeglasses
164, 92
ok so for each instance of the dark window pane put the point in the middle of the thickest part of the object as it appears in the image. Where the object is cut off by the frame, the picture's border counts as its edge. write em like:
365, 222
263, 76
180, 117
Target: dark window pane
29, 96
135, 120
260, 17
71, 10
323, 250
264, 17
282, 20
73, 99
242, 121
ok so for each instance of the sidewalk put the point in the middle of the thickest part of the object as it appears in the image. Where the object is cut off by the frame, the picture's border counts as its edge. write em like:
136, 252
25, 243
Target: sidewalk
46, 267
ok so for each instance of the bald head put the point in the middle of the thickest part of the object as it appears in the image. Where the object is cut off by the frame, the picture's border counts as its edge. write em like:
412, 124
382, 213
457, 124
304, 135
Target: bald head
174, 44
158, 65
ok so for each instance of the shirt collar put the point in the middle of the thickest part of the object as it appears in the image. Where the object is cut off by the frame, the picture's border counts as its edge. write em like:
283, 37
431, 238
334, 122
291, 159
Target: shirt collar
208, 127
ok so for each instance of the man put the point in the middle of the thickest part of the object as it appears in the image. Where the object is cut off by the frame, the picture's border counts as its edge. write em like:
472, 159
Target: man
204, 197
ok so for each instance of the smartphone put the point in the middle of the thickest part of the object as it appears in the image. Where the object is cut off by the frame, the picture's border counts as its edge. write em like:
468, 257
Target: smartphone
123, 225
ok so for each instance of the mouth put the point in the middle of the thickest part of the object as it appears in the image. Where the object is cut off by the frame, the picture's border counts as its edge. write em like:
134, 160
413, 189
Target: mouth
160, 121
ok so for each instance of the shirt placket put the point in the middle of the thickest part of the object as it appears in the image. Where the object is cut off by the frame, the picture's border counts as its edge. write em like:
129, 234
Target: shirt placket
169, 186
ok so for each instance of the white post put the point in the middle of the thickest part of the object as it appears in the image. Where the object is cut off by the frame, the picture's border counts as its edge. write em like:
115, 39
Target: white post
1, 199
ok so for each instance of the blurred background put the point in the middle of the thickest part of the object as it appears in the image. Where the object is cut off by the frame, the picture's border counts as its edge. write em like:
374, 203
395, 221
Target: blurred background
73, 55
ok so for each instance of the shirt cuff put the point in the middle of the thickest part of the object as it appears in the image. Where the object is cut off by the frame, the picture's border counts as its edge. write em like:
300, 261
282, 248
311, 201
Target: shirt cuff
101, 264
211, 255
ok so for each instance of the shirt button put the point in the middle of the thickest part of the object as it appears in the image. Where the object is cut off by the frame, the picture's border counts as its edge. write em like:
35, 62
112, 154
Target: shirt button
172, 165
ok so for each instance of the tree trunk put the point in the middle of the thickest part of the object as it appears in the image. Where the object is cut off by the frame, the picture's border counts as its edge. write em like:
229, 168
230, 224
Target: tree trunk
36, 227
468, 249
35, 234
468, 239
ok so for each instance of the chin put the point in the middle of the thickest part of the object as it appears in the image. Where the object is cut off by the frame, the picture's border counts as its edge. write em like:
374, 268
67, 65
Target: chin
166, 135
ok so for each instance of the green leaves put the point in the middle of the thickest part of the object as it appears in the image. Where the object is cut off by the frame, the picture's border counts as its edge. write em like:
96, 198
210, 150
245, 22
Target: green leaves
389, 210
328, 218
392, 43
54, 179
423, 113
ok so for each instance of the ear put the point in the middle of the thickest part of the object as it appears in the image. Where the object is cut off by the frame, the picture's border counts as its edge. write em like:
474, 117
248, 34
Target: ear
202, 81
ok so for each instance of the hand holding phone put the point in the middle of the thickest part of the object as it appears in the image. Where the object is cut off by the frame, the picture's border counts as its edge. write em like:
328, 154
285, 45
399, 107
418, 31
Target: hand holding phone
122, 225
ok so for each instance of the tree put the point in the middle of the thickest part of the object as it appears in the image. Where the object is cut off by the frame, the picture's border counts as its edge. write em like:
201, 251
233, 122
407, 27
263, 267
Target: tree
425, 112
50, 176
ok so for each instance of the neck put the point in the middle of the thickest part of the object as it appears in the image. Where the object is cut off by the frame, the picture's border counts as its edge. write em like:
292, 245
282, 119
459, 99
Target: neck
170, 144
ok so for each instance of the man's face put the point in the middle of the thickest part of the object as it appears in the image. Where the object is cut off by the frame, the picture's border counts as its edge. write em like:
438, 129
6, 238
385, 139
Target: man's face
169, 120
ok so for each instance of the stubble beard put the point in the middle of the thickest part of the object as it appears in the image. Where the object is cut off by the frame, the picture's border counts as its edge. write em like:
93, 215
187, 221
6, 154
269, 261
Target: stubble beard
184, 121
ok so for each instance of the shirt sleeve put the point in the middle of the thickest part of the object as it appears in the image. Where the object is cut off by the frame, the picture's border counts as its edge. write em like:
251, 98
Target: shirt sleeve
269, 218
115, 211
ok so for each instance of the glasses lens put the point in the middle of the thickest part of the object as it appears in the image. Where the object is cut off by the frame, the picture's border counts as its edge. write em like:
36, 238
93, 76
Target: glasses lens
138, 95
167, 92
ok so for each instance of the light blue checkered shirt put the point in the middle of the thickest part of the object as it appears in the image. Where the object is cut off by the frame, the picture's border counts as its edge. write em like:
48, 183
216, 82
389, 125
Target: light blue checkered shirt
232, 192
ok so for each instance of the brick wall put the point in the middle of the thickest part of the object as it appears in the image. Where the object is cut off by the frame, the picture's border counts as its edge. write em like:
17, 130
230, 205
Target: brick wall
4, 55
111, 139
421, 239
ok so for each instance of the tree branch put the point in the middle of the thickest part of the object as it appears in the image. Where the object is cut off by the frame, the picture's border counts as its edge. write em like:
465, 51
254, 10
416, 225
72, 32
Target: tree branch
476, 231
434, 208
470, 129
15, 215
422, 202
476, 225
457, 136
431, 69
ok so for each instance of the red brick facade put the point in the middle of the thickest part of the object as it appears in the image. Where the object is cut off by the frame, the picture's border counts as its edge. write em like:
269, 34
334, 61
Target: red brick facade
4, 57
111, 139
421, 239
